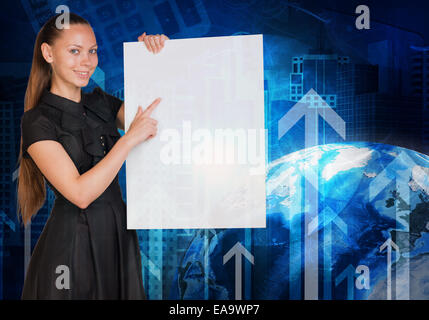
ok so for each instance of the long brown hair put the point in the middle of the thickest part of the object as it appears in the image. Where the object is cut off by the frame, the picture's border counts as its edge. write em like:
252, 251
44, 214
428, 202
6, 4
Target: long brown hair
31, 183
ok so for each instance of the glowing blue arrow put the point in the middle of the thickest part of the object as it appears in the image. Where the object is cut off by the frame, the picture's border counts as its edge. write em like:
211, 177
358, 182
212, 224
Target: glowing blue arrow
349, 274
389, 244
99, 77
311, 106
390, 173
6, 220
238, 250
383, 179
152, 267
329, 217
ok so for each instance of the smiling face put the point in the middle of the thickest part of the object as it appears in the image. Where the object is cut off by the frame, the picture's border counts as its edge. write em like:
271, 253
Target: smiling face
73, 56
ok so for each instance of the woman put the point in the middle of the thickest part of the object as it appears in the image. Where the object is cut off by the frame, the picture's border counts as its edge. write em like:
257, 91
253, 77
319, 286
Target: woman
70, 140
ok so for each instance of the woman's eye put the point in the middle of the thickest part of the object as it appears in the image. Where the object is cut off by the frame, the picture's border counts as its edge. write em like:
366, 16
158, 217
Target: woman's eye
74, 51
93, 51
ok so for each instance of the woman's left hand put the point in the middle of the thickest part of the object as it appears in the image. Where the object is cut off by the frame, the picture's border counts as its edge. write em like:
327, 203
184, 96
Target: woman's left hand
154, 43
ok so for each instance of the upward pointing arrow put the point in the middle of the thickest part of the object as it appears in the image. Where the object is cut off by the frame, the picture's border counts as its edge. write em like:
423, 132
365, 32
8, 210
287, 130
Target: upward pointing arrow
329, 216
152, 267
99, 77
5, 219
237, 250
389, 173
389, 244
15, 174
311, 105
349, 273
398, 170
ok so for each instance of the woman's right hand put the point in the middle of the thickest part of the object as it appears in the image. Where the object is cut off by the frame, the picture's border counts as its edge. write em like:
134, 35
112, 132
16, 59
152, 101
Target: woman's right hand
143, 126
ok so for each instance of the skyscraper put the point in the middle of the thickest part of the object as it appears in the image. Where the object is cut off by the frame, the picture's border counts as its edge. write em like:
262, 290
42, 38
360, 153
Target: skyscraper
10, 233
420, 84
353, 80
318, 72
353, 91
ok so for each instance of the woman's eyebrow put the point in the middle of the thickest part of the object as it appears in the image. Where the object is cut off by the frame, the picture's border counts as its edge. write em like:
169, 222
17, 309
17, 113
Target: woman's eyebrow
79, 46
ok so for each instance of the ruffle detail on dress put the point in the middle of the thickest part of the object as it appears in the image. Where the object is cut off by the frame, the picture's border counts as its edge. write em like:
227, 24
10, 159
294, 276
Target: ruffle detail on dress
97, 138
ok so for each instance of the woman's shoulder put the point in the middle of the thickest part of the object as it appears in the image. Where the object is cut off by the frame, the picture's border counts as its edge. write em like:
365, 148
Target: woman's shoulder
33, 114
99, 93
105, 105
37, 116
36, 126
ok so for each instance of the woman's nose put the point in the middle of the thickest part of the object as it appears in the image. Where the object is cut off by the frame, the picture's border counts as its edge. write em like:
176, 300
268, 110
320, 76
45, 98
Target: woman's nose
85, 61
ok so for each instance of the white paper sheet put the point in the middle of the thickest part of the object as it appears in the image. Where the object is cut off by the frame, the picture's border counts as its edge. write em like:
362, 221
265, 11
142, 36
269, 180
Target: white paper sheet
194, 173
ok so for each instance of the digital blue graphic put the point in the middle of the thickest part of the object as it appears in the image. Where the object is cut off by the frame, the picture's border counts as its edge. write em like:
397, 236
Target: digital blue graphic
358, 225
372, 220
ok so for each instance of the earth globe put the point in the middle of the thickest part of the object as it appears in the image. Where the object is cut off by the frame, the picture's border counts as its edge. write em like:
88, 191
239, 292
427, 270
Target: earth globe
373, 231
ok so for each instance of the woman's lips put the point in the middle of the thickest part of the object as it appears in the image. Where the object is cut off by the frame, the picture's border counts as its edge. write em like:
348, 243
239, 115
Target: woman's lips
84, 75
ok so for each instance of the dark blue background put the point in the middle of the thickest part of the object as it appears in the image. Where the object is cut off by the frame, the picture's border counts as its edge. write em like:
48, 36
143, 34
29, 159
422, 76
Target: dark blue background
381, 92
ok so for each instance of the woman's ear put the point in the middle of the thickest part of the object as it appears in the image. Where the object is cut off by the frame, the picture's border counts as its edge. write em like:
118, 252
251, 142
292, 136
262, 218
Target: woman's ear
47, 52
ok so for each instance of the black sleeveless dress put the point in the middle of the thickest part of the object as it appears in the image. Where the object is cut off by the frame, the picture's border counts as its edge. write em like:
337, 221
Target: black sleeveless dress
82, 254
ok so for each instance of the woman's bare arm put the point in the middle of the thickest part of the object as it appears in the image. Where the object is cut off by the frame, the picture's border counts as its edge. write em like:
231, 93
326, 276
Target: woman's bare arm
58, 168
56, 165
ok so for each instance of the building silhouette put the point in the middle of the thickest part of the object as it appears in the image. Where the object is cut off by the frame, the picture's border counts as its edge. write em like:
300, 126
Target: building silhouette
10, 231
367, 97
420, 84
318, 72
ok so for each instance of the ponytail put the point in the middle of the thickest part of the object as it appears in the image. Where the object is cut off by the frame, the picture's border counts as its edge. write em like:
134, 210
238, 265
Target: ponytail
31, 183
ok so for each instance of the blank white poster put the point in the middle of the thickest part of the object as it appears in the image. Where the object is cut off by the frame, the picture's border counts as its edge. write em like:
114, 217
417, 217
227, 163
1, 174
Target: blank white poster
206, 166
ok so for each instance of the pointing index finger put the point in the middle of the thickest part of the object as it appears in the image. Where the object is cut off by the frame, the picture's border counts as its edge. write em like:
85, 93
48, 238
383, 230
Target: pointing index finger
151, 107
